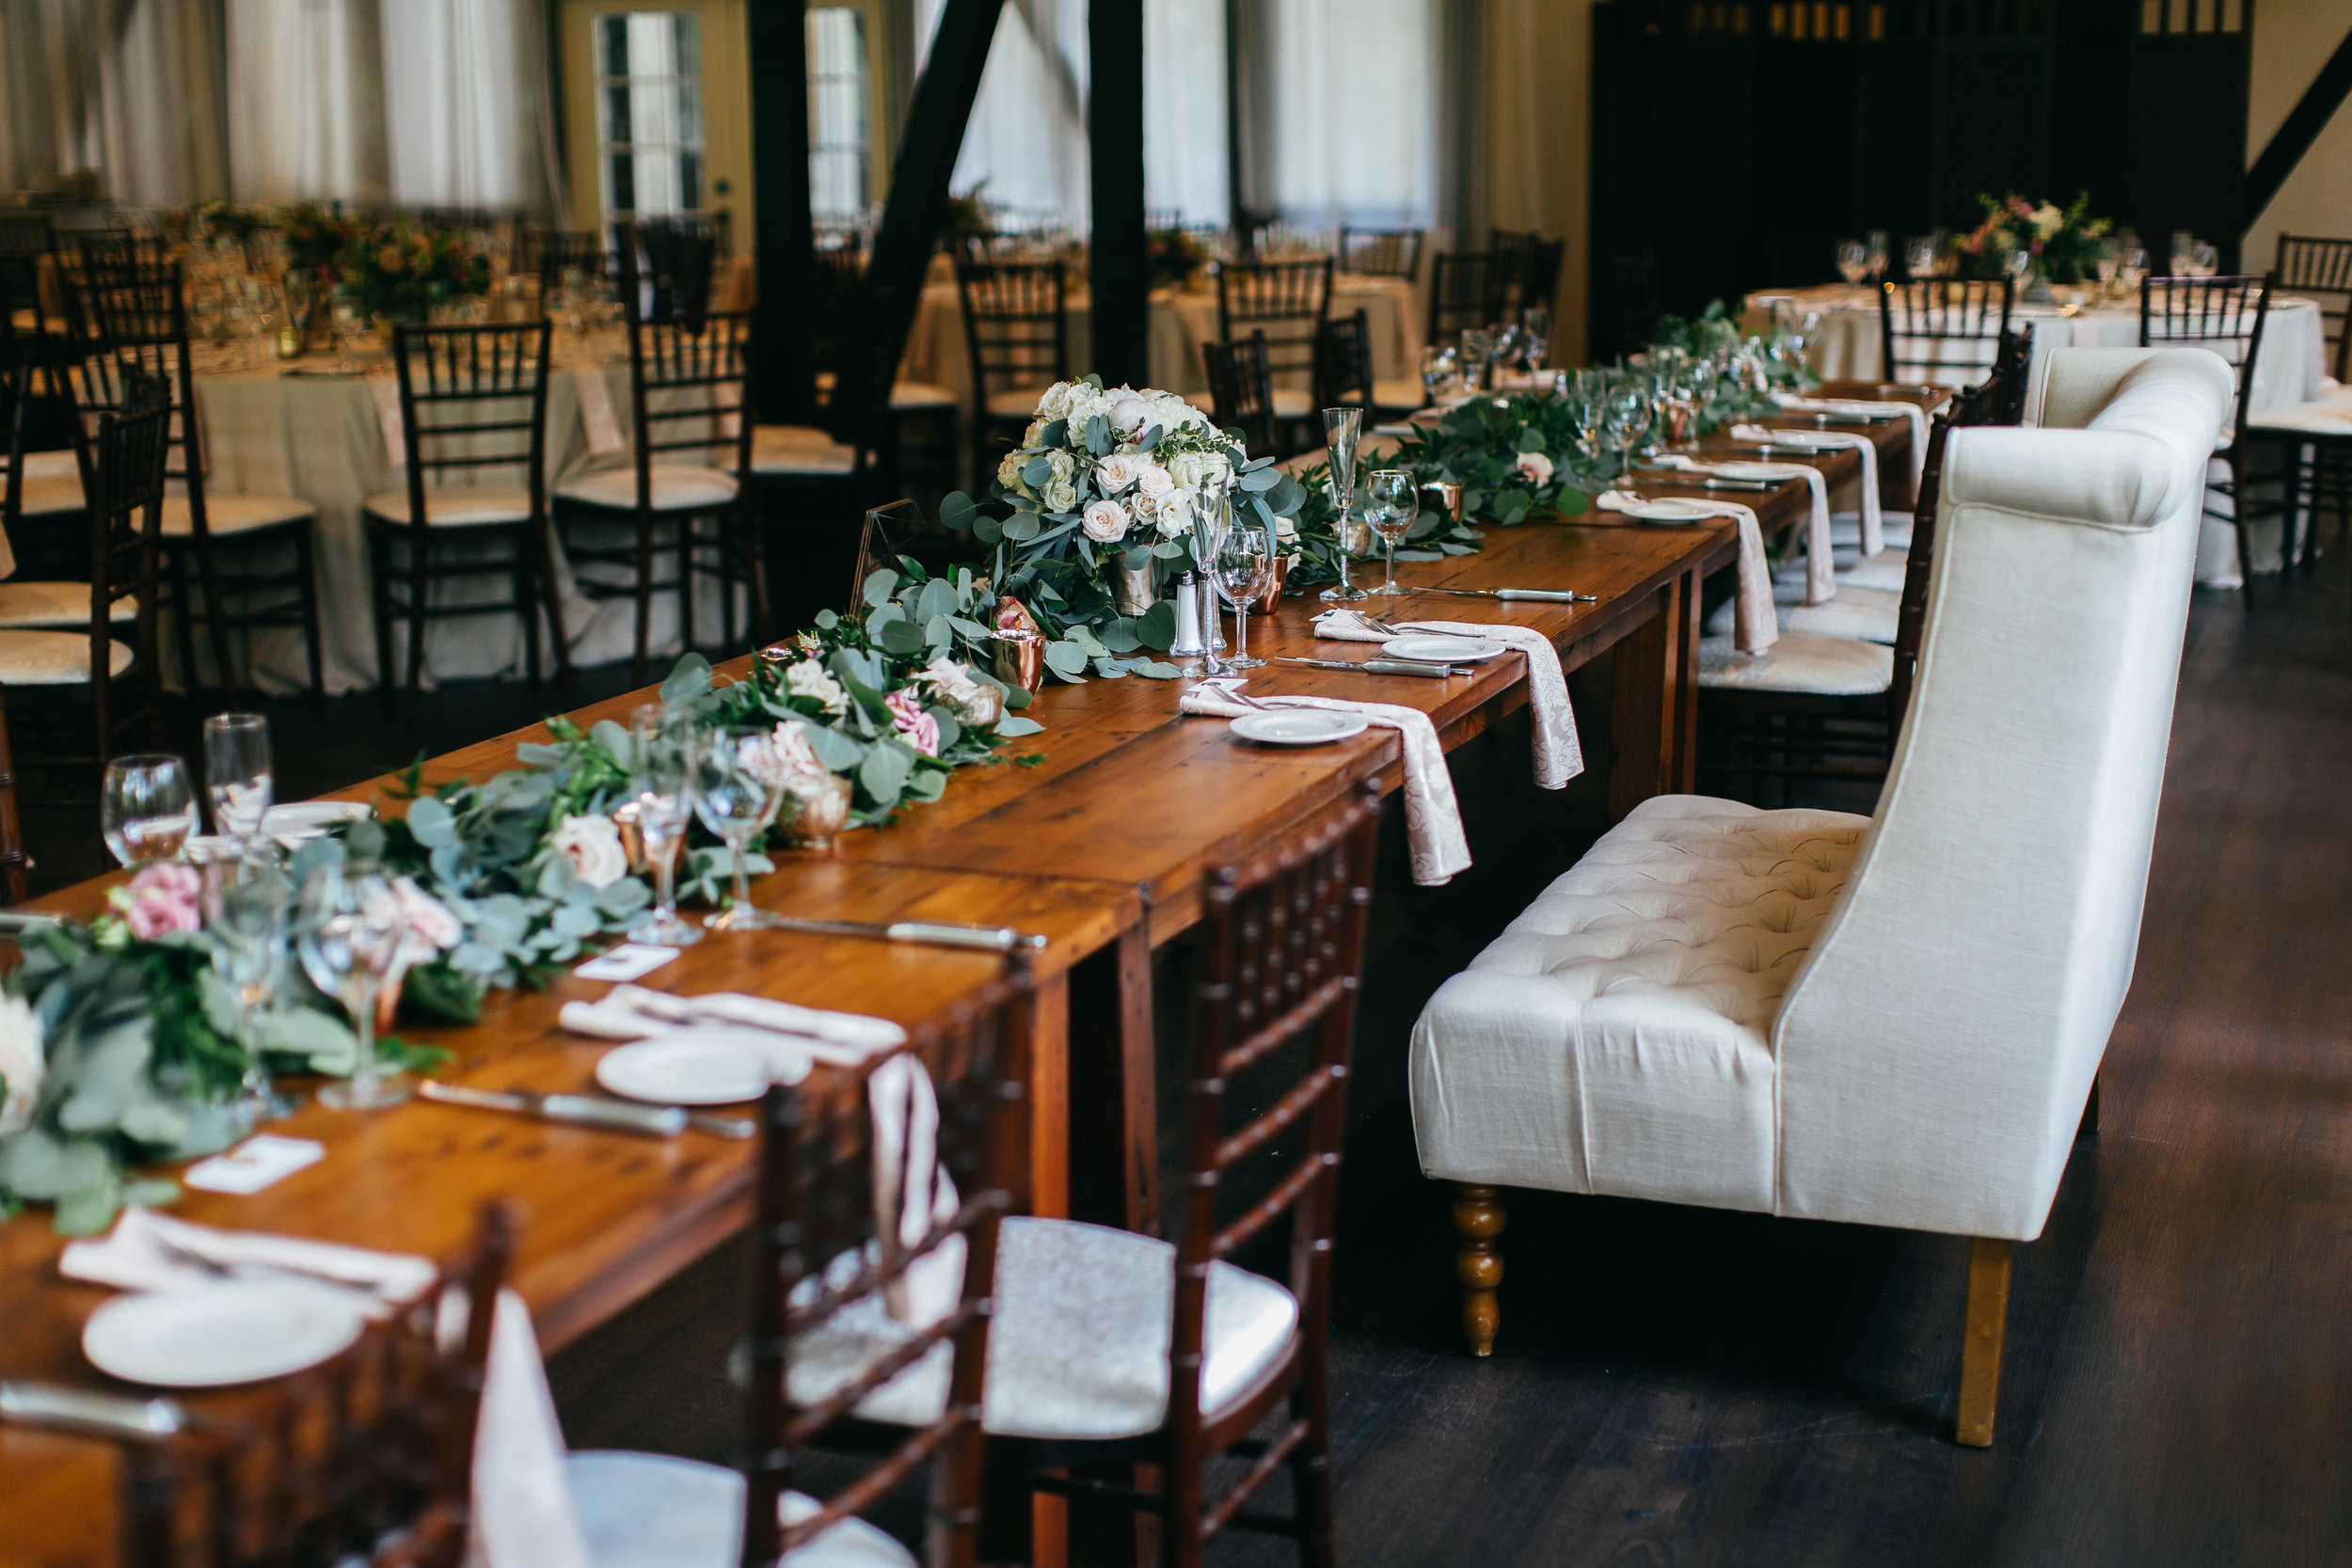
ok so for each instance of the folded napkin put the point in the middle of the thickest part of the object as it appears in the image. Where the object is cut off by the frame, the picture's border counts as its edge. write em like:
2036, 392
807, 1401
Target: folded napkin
1432, 822
595, 412
1912, 411
1873, 529
522, 1505
385, 387
913, 1194
633, 1013
1821, 571
1558, 755
1755, 626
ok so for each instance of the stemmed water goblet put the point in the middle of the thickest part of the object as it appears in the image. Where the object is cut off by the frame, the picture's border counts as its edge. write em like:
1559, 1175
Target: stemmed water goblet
1874, 253
1588, 408
1626, 420
1342, 429
736, 795
1477, 344
2105, 257
1391, 501
351, 930
237, 774
2132, 270
662, 785
1535, 336
1853, 262
246, 898
146, 810
1919, 257
1241, 568
1436, 373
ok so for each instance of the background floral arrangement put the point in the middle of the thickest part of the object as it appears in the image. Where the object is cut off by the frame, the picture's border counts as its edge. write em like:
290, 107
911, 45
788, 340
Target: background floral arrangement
400, 271
2062, 243
315, 236
1173, 256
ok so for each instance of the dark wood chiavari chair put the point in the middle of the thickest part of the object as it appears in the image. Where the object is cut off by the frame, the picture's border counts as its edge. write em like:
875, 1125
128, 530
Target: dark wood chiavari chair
1280, 957
1942, 331
1287, 303
1343, 377
1514, 251
548, 254
1380, 252
2316, 453
1240, 390
1541, 288
473, 399
668, 266
1016, 331
1465, 291
26, 235
2225, 314
2321, 269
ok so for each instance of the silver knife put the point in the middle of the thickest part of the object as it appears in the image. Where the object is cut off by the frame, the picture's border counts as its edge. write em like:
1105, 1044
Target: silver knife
45, 1405
19, 923
936, 933
1548, 595
660, 1121
1379, 666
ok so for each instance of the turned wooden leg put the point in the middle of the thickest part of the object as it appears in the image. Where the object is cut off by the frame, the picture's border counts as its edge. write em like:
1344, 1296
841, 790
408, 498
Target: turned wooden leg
1980, 1349
2090, 1109
1478, 1218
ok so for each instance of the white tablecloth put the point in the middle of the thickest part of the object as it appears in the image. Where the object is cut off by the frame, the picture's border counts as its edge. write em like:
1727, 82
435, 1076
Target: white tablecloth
2286, 371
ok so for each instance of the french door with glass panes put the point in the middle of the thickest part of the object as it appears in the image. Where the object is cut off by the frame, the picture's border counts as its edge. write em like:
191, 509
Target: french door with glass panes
657, 113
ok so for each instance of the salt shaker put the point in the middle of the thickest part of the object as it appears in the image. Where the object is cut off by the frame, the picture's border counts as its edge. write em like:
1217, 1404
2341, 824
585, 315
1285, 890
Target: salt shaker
1187, 599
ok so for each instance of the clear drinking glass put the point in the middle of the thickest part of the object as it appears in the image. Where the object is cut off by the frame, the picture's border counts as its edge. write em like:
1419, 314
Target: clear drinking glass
1343, 428
2133, 269
2204, 260
246, 901
1391, 501
2105, 255
1477, 344
2183, 243
1919, 256
736, 799
1243, 567
350, 929
145, 808
1535, 336
1853, 262
1436, 373
1627, 415
663, 787
237, 773
1588, 407
1874, 253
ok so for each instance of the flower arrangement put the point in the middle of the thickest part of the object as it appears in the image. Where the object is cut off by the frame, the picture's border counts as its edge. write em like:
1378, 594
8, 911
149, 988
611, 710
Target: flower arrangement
1173, 256
315, 236
228, 220
400, 271
1105, 485
2061, 244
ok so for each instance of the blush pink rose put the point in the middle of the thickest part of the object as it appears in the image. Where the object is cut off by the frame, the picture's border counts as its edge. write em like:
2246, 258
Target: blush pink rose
163, 899
919, 727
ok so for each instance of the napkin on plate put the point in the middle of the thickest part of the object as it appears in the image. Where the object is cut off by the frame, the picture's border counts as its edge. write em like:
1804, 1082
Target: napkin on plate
1558, 755
1755, 624
595, 412
1873, 529
635, 1013
1912, 411
522, 1505
1820, 569
1433, 821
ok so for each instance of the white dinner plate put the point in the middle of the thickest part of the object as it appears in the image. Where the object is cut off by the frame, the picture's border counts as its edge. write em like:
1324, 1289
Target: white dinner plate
1442, 648
1670, 512
1749, 470
701, 1066
291, 825
1297, 726
210, 1336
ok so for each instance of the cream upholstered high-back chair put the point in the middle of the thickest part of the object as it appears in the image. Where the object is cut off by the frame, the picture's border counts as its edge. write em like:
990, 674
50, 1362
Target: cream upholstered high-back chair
1895, 1019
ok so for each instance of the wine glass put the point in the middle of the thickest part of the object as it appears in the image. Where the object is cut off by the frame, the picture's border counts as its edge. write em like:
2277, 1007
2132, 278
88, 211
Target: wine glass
735, 797
1626, 419
1477, 344
2204, 260
1242, 567
237, 773
1874, 253
2105, 257
244, 924
145, 808
1343, 428
1535, 336
2132, 270
1436, 373
1391, 501
1853, 262
2182, 244
1919, 256
351, 930
1588, 408
662, 785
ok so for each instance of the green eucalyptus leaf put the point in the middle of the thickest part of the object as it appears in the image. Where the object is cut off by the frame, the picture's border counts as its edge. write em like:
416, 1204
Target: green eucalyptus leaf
1156, 627
689, 678
1065, 659
1013, 725
986, 530
883, 773
878, 586
1022, 526
957, 511
901, 637
433, 823
1155, 669
1257, 480
836, 750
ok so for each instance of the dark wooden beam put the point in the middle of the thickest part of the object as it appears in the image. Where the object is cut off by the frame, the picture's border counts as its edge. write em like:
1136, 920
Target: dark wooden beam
2302, 128
785, 244
926, 161
1120, 270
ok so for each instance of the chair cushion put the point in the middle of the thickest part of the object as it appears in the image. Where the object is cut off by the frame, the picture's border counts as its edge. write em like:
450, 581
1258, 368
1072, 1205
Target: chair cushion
53, 496
1617, 1036
1883, 572
56, 604
53, 465
228, 516
793, 448
2329, 416
906, 396
54, 658
1403, 392
1866, 615
1845, 529
1014, 403
676, 488
651, 1510
458, 506
1799, 661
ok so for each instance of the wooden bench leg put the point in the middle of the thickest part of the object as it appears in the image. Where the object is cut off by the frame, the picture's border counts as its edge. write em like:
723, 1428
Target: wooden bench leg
1980, 1349
1478, 1218
2090, 1109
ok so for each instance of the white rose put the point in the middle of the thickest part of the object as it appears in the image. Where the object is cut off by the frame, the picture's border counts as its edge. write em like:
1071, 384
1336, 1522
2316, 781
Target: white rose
1154, 480
1009, 474
1535, 468
1186, 469
1060, 496
790, 754
1054, 405
1168, 411
1065, 465
1106, 522
1130, 414
592, 843
1116, 472
22, 1062
809, 678
1035, 435
1175, 512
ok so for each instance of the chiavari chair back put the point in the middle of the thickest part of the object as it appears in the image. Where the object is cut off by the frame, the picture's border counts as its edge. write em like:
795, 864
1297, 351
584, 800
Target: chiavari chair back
1241, 384
1380, 252
2226, 315
1541, 285
549, 253
668, 267
26, 235
2321, 269
1284, 302
1942, 331
1344, 365
1465, 291
1016, 331
1993, 404
2006, 385
1514, 251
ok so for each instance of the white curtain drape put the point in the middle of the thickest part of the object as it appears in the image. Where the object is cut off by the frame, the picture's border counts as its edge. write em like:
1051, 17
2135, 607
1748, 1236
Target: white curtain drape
128, 87
1354, 90
1183, 110
306, 105
464, 84
1026, 140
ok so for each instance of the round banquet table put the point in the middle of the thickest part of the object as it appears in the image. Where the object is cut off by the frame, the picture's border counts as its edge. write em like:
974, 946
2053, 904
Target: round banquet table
325, 429
1181, 321
2287, 371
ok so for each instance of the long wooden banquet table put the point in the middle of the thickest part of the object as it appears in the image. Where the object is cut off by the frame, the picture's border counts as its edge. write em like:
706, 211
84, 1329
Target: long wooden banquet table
1101, 849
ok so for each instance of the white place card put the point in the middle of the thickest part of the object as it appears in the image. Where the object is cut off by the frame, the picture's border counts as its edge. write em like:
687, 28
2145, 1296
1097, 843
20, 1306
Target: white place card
625, 963
253, 1165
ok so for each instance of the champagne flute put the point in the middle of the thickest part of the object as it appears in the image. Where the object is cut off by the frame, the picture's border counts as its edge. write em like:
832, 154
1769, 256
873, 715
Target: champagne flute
1392, 500
1244, 565
351, 930
1588, 407
244, 924
662, 785
1343, 428
237, 773
145, 808
736, 795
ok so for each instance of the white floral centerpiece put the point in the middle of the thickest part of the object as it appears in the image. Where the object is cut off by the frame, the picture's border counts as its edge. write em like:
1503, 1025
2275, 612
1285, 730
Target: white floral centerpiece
1098, 507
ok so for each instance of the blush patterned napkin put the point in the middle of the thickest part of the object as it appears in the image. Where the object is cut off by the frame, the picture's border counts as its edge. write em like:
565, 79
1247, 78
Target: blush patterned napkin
1558, 755
1755, 624
1873, 528
1439, 847
1820, 569
1911, 411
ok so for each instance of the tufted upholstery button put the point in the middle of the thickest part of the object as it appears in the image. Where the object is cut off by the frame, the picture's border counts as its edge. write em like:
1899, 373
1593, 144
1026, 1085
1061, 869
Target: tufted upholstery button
1616, 1037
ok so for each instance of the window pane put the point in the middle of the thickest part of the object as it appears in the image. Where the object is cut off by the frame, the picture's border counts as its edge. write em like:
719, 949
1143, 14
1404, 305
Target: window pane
838, 133
650, 113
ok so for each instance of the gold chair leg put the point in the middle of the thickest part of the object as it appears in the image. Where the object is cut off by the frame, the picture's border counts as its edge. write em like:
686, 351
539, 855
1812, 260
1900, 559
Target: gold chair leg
1980, 1349
1478, 1218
